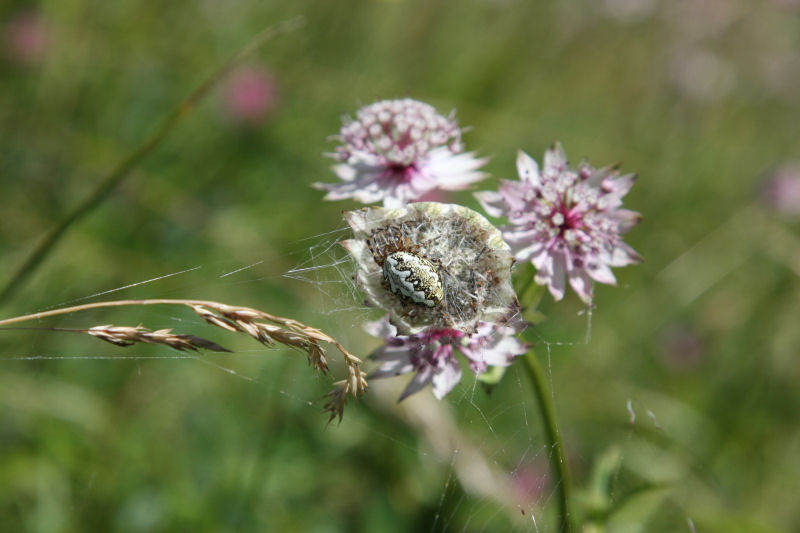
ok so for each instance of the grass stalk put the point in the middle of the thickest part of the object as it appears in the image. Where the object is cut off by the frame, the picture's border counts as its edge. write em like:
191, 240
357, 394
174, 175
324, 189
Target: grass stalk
264, 327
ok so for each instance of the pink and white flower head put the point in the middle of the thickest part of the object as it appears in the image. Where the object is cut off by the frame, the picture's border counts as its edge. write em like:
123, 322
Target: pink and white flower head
431, 354
568, 223
396, 151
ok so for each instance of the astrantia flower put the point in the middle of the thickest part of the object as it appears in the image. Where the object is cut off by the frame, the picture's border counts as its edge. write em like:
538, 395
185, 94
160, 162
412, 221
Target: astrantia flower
398, 150
432, 265
568, 223
431, 354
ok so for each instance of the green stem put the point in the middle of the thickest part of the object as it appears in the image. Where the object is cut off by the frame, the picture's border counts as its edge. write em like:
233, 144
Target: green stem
126, 165
558, 461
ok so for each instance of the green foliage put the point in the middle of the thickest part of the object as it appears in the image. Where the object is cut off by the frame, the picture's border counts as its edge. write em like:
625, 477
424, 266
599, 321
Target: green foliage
702, 339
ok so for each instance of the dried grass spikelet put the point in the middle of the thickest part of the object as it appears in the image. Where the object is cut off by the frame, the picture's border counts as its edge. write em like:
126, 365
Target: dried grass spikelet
290, 332
266, 328
128, 336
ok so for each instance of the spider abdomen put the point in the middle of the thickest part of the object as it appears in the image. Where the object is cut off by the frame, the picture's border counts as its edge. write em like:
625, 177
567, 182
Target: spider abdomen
414, 278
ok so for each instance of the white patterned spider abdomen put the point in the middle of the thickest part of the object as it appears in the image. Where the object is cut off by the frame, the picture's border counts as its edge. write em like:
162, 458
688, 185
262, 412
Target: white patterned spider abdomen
414, 278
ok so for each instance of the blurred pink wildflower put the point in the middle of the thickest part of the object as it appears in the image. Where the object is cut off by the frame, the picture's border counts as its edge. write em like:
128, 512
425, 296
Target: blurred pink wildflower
250, 95
26, 37
566, 222
781, 191
430, 355
396, 151
531, 480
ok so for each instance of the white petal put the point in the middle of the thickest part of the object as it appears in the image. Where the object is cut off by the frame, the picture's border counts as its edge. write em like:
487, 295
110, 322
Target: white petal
623, 255
499, 352
492, 202
380, 328
453, 172
541, 258
524, 245
527, 168
345, 172
626, 219
393, 363
622, 185
602, 274
394, 201
555, 160
446, 379
581, 284
599, 174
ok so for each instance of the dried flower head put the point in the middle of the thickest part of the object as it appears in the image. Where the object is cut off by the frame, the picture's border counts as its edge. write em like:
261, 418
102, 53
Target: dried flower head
431, 354
432, 265
396, 151
568, 223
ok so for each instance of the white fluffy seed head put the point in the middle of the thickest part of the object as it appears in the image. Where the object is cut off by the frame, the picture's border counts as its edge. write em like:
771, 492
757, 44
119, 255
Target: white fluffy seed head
431, 240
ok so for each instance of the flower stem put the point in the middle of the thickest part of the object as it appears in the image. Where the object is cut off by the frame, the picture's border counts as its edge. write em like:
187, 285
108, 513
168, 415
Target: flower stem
132, 160
558, 462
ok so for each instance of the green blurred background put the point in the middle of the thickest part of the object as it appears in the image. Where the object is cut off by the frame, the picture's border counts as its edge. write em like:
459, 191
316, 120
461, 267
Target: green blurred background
679, 413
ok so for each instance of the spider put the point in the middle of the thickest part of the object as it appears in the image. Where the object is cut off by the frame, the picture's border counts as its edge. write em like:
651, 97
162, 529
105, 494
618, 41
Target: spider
406, 272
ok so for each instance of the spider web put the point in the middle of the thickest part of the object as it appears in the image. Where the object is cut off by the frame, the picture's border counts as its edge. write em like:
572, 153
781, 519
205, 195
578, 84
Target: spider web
493, 479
